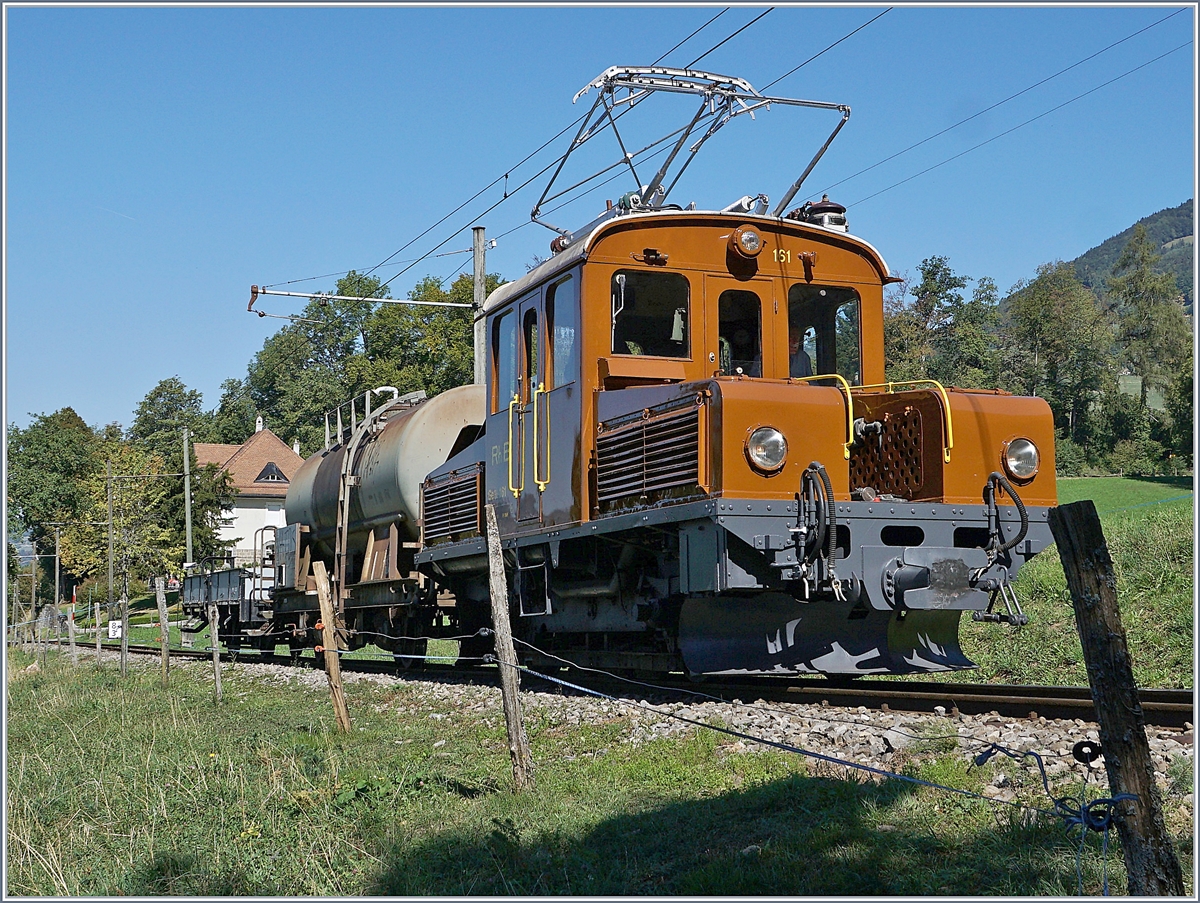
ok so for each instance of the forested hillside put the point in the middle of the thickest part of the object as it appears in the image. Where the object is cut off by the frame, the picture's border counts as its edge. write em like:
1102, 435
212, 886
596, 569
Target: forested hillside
1170, 231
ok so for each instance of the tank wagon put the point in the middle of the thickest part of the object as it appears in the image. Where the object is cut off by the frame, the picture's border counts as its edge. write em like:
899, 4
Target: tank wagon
696, 461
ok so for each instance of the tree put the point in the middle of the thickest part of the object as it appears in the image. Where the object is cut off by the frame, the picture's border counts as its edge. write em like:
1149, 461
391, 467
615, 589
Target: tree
143, 546
913, 329
14, 570
213, 496
965, 349
1155, 336
429, 348
1180, 409
307, 369
233, 418
161, 416
1058, 343
932, 332
49, 463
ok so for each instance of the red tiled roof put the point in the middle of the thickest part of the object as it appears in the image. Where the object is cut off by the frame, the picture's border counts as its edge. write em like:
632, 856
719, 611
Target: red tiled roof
245, 462
214, 453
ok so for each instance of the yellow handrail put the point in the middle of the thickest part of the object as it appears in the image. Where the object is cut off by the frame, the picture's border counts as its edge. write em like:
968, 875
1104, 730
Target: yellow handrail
515, 490
845, 387
541, 484
945, 399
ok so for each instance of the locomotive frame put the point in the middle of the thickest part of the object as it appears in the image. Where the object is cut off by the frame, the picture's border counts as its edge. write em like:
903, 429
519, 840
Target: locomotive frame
673, 490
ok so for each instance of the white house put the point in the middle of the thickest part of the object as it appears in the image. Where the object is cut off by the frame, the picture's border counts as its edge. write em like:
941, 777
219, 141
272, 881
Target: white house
261, 469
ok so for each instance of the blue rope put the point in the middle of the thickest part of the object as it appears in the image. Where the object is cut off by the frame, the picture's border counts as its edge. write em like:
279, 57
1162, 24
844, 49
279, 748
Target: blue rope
1174, 498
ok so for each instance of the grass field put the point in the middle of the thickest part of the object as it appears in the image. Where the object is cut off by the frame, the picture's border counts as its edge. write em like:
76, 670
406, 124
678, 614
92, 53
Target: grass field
1149, 527
118, 787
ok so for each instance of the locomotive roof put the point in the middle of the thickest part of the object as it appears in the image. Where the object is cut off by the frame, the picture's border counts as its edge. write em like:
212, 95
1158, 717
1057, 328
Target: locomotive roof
579, 247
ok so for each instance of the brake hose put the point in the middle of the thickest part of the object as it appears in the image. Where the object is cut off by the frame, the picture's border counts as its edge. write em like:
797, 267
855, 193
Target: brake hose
831, 514
996, 478
822, 491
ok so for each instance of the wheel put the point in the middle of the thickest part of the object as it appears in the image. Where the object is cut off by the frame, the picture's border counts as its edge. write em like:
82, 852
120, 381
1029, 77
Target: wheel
405, 653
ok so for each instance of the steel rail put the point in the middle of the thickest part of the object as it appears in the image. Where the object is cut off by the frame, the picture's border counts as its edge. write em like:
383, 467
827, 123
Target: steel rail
1160, 707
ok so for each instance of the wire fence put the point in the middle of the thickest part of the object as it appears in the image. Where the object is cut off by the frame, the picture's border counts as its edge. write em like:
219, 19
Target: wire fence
1089, 811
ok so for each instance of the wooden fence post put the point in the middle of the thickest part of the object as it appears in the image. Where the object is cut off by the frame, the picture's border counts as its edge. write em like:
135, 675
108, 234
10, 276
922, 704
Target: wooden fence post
71, 636
510, 678
1150, 861
160, 595
333, 665
214, 621
124, 632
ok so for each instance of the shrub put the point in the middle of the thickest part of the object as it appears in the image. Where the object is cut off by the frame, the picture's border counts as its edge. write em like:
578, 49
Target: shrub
1136, 457
1069, 458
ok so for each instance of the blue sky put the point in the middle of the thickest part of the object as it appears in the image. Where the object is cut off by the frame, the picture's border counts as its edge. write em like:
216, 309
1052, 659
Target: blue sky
159, 161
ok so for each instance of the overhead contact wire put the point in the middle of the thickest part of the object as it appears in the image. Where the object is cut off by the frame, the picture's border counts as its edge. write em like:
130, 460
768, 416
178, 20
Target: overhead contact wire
729, 38
1023, 124
998, 103
689, 37
830, 47
525, 184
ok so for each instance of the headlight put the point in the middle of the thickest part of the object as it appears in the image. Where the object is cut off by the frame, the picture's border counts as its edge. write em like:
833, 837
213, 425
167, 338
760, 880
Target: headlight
746, 241
1021, 459
766, 448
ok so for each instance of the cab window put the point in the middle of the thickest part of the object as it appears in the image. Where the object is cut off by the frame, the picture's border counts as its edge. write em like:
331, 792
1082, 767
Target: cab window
823, 332
740, 332
561, 317
504, 360
650, 314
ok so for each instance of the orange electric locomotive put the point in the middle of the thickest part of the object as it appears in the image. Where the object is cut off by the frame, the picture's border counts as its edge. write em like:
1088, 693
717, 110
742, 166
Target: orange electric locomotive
694, 455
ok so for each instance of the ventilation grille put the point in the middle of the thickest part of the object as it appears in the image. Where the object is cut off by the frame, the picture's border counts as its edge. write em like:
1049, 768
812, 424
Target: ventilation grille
894, 468
649, 455
451, 506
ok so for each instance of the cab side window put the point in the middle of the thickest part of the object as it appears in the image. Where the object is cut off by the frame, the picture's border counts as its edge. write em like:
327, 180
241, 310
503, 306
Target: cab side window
504, 360
562, 315
650, 314
823, 332
532, 362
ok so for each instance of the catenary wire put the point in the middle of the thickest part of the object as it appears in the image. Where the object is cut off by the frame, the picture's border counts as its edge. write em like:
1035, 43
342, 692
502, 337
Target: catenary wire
986, 109
728, 38
1023, 124
830, 47
528, 157
705, 119
504, 178
508, 194
692, 35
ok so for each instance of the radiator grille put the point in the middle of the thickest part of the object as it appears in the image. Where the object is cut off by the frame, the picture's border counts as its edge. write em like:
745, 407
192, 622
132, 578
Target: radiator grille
893, 466
451, 507
647, 456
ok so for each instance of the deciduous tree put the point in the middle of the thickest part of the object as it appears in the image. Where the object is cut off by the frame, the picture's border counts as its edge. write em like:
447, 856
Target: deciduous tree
161, 416
1058, 343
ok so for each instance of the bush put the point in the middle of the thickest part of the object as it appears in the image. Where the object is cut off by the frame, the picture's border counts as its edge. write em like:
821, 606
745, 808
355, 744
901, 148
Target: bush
1069, 458
1136, 457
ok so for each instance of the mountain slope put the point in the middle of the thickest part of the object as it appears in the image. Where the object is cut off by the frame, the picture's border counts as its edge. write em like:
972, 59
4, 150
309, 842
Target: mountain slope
1170, 230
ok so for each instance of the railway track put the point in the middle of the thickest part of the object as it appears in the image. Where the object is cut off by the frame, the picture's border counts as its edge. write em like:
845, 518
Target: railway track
1162, 708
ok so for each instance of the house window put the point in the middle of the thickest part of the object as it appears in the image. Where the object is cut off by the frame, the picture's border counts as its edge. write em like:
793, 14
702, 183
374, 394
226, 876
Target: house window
271, 474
